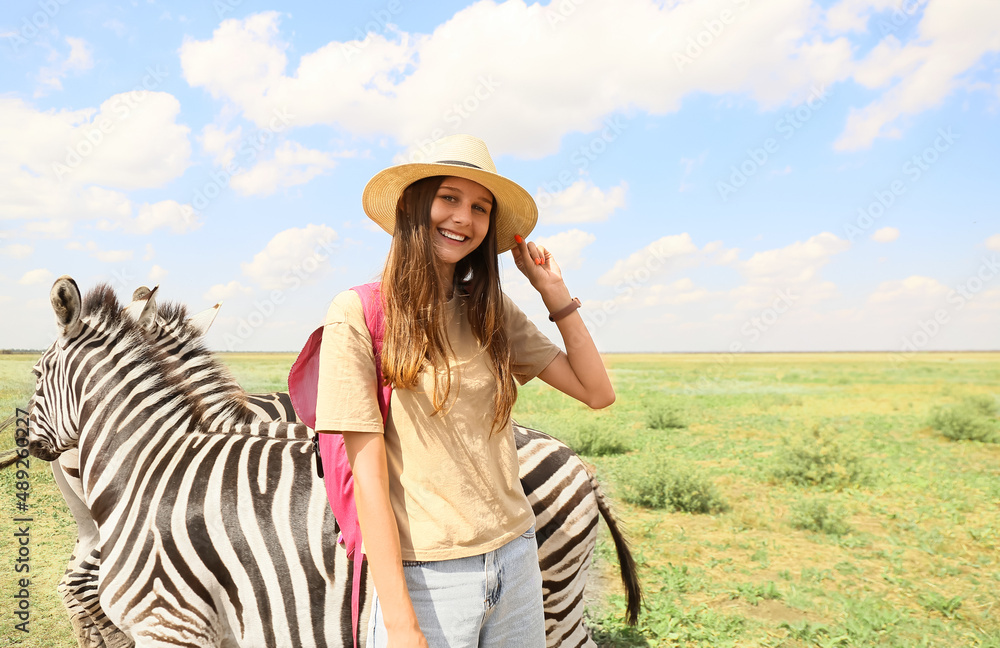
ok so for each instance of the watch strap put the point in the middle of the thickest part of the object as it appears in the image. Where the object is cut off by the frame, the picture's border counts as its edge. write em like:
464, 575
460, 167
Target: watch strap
563, 312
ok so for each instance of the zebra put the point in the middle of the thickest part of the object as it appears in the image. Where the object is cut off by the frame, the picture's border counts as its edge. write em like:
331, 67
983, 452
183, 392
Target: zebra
173, 332
206, 539
557, 511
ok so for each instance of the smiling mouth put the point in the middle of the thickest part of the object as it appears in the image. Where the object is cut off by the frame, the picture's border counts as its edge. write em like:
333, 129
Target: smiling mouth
452, 235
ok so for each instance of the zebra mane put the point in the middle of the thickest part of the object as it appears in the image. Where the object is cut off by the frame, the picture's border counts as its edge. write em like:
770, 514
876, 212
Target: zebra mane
228, 396
104, 313
172, 312
101, 305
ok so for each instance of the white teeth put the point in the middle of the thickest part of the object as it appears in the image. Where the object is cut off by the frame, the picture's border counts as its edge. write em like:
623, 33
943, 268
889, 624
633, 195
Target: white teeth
452, 236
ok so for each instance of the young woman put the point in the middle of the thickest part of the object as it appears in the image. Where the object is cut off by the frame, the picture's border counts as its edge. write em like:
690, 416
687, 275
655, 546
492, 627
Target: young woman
447, 528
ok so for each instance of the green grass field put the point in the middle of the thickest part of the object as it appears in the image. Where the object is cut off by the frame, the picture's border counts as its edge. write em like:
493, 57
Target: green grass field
841, 513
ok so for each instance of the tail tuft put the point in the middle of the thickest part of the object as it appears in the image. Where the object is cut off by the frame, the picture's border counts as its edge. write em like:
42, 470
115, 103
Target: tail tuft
630, 576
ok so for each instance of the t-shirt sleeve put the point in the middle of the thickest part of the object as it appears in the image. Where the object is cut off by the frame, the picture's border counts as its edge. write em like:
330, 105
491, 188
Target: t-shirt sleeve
347, 399
531, 351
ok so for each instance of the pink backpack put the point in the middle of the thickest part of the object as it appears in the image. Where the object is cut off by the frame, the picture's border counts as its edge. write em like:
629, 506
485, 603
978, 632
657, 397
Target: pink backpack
331, 456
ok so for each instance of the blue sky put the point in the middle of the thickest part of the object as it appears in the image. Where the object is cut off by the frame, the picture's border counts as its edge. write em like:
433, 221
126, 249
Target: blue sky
719, 175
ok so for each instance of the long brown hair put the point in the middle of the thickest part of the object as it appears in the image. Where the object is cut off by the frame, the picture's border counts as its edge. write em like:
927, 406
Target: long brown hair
415, 322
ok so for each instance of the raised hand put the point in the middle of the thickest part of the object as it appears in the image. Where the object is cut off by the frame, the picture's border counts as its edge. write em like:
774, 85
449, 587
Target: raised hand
537, 264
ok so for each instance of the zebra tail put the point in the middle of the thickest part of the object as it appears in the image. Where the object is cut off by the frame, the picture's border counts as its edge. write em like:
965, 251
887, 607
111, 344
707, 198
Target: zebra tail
8, 458
630, 575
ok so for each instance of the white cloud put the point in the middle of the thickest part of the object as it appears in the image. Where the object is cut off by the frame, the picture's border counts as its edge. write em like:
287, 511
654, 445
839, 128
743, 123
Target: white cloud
105, 256
167, 214
222, 292
360, 85
567, 247
667, 252
682, 291
78, 59
17, 251
58, 228
103, 149
885, 235
112, 256
581, 202
796, 263
293, 257
219, 143
665, 255
292, 164
914, 288
35, 277
150, 253
156, 274
755, 295
993, 243
58, 167
853, 15
952, 35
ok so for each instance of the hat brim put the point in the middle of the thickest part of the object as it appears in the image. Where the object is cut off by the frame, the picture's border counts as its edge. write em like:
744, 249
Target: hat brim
516, 211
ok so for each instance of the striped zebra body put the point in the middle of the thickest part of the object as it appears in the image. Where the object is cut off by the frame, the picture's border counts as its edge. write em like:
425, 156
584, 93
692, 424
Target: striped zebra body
206, 539
276, 406
564, 497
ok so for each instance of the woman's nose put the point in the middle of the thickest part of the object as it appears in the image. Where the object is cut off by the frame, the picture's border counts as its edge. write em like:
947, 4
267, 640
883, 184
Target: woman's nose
462, 213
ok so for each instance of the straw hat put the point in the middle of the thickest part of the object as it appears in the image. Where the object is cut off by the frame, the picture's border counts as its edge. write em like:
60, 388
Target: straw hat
463, 156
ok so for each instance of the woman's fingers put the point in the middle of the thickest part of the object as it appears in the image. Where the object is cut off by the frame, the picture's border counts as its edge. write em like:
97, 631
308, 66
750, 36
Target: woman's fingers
543, 255
527, 253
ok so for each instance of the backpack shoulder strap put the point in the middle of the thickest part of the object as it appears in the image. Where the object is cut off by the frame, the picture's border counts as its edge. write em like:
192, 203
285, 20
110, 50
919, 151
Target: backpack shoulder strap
371, 301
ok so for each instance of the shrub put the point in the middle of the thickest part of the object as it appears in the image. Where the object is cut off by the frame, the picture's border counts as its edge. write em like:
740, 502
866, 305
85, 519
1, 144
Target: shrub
983, 404
948, 607
692, 493
971, 420
645, 483
665, 417
753, 593
651, 483
594, 441
820, 461
818, 516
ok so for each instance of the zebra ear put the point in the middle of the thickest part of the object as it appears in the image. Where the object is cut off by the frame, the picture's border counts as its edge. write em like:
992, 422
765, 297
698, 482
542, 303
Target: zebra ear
142, 310
66, 303
203, 321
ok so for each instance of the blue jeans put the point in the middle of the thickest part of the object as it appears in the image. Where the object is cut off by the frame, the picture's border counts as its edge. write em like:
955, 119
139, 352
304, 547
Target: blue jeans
491, 600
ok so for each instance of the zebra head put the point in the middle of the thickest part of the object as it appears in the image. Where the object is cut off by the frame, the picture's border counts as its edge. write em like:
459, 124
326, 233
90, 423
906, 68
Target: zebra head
94, 339
54, 407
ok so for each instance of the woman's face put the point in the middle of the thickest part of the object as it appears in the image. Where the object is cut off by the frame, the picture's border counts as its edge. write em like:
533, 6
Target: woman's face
460, 218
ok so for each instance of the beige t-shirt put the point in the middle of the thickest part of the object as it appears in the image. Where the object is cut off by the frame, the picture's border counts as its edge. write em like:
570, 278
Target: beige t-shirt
454, 488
